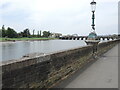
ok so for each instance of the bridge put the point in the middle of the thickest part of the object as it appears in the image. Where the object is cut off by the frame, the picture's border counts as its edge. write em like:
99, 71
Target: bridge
85, 37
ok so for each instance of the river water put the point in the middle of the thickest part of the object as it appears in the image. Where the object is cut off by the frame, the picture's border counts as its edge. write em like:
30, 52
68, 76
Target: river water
15, 50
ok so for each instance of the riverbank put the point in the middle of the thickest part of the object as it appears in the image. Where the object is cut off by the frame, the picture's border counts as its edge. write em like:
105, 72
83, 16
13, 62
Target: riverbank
24, 39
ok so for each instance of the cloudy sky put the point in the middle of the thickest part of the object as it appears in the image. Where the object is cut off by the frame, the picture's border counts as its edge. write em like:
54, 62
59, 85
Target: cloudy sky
62, 16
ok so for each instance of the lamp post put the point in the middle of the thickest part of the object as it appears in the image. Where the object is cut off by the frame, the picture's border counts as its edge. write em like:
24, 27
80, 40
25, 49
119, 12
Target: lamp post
93, 7
92, 37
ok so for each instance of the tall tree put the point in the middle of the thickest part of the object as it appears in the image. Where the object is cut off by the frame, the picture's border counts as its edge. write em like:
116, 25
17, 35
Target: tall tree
3, 27
3, 31
26, 33
46, 33
33, 32
40, 33
0, 32
11, 33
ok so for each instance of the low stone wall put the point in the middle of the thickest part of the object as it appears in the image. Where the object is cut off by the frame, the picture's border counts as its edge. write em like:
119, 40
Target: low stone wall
43, 71
105, 46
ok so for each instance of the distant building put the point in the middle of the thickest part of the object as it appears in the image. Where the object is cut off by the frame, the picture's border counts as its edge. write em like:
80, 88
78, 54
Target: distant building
55, 35
74, 34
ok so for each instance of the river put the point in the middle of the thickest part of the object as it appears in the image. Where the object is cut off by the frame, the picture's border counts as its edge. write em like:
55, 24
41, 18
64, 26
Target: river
15, 50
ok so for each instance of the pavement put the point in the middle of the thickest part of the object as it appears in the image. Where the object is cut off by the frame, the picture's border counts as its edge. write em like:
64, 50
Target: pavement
103, 73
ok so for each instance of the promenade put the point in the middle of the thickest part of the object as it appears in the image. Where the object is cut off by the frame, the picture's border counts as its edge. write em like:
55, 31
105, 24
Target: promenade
103, 73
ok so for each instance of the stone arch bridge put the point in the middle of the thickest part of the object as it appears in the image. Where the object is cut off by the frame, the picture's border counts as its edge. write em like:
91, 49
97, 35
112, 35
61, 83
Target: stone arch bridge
85, 37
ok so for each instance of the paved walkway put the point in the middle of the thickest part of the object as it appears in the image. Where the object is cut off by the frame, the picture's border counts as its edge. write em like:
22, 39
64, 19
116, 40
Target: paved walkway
101, 74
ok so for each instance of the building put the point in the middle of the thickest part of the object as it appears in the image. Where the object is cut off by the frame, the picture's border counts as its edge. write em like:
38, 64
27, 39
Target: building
55, 35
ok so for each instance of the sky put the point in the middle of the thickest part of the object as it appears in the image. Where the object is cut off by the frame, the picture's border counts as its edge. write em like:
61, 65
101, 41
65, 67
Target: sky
119, 17
60, 16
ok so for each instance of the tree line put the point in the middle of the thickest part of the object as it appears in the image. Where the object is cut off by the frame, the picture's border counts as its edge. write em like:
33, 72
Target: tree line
11, 33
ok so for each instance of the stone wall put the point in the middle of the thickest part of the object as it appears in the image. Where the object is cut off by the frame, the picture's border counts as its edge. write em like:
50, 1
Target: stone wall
43, 71
105, 46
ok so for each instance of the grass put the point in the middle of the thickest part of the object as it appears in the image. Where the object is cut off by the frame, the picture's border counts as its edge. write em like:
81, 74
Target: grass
24, 39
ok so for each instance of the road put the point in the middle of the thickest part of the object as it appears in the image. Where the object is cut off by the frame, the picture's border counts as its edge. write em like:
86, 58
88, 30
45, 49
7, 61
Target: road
103, 73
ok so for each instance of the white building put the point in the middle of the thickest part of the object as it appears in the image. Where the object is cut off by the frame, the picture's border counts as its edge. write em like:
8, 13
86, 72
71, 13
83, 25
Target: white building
55, 35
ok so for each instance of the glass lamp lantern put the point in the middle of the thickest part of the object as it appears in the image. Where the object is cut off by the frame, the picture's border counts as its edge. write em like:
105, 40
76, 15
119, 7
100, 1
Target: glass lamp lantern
93, 6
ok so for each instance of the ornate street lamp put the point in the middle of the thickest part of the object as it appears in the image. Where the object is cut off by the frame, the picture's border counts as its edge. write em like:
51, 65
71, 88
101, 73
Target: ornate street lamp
92, 37
93, 7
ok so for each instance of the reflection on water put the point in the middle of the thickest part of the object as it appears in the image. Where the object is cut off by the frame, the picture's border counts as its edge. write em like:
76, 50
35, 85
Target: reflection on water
15, 50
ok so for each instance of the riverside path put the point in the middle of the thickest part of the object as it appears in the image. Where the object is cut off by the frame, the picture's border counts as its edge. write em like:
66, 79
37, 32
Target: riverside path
101, 74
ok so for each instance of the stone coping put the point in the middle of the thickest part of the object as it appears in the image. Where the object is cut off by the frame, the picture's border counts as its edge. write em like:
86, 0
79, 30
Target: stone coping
42, 55
37, 55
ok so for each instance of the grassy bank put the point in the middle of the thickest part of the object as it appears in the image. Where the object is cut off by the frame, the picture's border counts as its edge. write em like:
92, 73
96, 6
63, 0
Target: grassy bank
24, 39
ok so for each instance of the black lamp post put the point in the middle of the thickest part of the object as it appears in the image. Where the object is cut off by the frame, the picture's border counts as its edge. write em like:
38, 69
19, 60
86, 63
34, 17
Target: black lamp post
93, 7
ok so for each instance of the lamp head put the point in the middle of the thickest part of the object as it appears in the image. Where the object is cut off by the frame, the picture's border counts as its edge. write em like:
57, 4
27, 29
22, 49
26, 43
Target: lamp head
93, 6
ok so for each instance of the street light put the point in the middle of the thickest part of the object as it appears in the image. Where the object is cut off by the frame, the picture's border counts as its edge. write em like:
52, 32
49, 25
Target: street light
93, 7
92, 37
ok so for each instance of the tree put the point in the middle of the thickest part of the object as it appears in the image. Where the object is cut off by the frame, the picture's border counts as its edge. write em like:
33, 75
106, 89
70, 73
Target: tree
11, 33
40, 33
46, 33
0, 32
3, 27
33, 32
3, 31
25, 33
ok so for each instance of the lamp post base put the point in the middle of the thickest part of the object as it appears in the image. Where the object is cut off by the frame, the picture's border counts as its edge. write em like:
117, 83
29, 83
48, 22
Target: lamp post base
94, 43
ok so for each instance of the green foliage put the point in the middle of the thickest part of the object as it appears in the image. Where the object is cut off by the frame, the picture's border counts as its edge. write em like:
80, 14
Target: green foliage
3, 31
11, 33
0, 32
25, 33
40, 33
46, 33
33, 32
